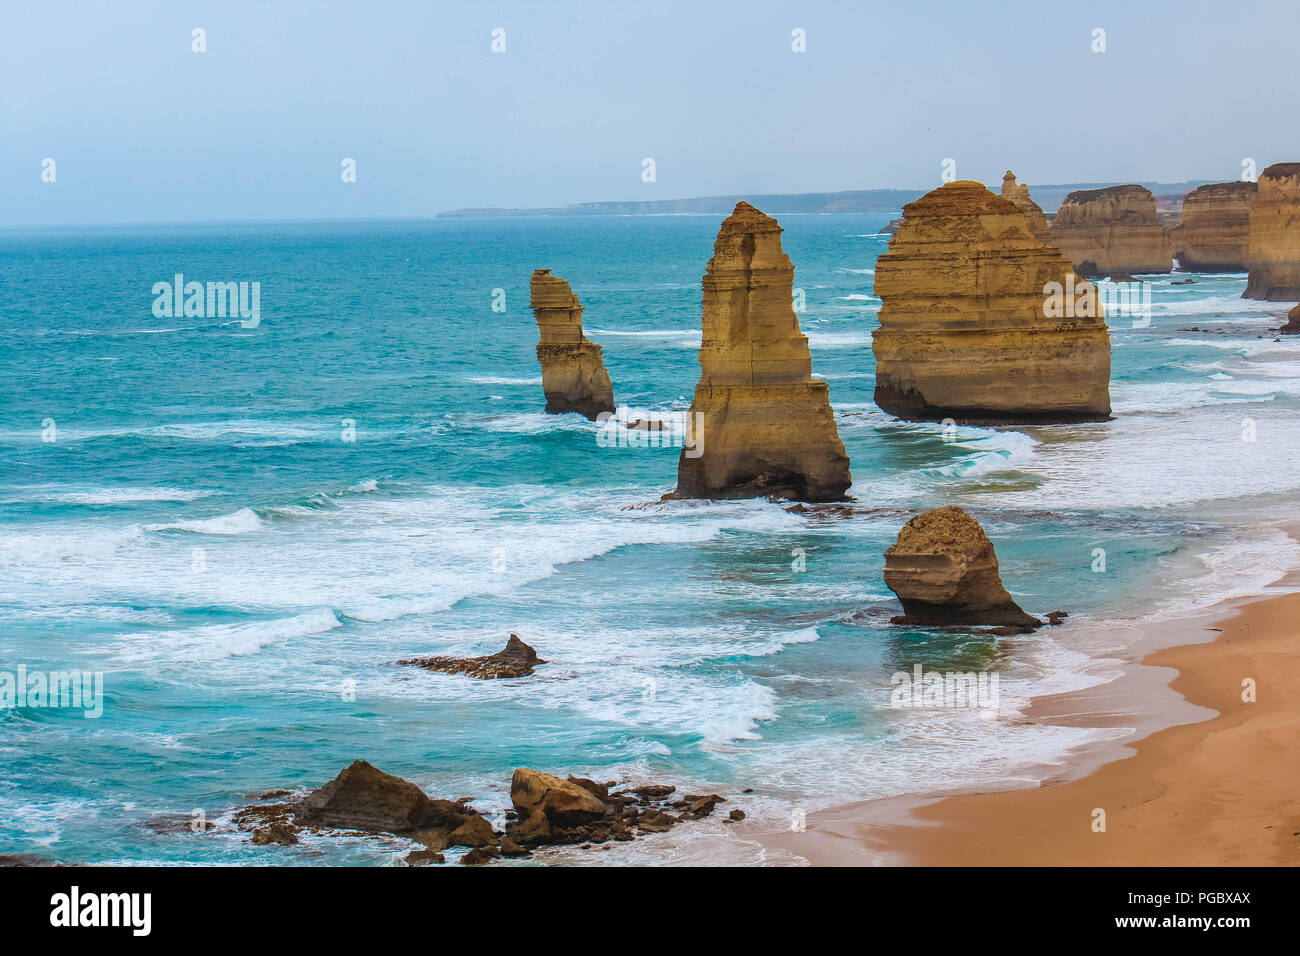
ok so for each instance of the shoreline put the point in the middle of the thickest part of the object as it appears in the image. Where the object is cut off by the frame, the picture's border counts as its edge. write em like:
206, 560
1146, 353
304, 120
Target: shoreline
1198, 777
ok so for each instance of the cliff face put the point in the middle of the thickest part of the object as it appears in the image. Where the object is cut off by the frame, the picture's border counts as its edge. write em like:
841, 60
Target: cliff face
1018, 194
1111, 231
764, 424
1215, 232
1275, 236
944, 571
968, 329
573, 374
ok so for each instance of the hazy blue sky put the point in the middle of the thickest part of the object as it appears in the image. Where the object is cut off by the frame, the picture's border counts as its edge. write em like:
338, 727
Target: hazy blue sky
143, 129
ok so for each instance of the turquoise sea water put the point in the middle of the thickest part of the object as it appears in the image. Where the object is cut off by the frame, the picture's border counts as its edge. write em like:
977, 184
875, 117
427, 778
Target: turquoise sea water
206, 530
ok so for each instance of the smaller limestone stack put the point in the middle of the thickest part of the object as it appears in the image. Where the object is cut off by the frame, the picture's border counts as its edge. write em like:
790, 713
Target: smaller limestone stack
1018, 193
944, 571
1214, 235
573, 374
1112, 231
975, 322
1275, 236
763, 424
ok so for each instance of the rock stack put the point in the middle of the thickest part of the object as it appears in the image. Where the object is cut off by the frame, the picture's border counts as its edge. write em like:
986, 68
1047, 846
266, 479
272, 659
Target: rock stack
944, 571
573, 374
1275, 236
981, 322
1112, 232
1018, 194
763, 425
1214, 235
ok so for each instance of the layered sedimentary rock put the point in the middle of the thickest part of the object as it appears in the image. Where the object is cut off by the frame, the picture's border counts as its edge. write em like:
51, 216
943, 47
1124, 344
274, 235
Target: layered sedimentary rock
1018, 194
944, 571
763, 425
1275, 236
971, 323
516, 659
573, 374
1214, 233
1112, 230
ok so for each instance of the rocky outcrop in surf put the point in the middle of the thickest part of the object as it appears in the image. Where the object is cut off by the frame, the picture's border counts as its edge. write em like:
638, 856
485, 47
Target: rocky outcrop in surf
1214, 233
516, 659
573, 372
1112, 230
982, 322
944, 571
1275, 236
1292, 322
1018, 194
763, 425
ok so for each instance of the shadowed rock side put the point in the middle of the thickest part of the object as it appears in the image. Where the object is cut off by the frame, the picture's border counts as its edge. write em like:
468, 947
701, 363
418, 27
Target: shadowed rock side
517, 659
1018, 194
1112, 230
967, 328
1214, 235
764, 424
1275, 236
944, 571
573, 374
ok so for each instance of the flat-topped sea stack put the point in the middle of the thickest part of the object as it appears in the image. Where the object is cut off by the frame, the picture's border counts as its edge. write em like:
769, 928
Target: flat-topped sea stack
1112, 231
1018, 193
763, 424
944, 571
1275, 236
1214, 235
970, 327
573, 374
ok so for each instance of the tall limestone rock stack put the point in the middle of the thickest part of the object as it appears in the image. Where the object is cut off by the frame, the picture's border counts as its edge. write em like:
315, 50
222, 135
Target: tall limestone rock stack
1112, 231
1215, 232
971, 325
573, 374
1018, 193
944, 571
763, 424
1275, 236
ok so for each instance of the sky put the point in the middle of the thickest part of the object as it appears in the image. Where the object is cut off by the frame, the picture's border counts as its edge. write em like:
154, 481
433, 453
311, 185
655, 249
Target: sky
142, 128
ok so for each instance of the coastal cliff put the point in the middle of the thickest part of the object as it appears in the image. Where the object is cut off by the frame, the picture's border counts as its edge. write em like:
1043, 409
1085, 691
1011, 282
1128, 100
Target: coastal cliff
1018, 193
763, 425
1112, 231
1275, 236
573, 373
1215, 232
971, 327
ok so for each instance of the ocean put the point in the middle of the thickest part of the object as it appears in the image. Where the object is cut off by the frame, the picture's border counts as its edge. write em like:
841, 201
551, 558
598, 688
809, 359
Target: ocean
244, 526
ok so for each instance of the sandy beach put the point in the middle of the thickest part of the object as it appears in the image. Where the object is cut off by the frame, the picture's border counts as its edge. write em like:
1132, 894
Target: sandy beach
1205, 778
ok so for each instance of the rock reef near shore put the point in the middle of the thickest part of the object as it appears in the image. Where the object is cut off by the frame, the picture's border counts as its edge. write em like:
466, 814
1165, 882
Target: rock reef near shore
971, 325
1018, 195
1275, 236
944, 571
1214, 234
573, 370
516, 659
762, 424
1112, 230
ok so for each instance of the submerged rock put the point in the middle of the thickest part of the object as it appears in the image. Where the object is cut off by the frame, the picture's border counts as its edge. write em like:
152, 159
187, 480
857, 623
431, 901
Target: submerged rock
1275, 236
1116, 229
944, 571
573, 370
760, 424
981, 322
517, 659
1214, 235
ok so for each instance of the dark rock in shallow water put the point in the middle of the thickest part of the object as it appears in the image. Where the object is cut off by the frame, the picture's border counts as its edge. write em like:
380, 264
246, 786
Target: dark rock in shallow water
944, 571
1292, 322
517, 659
481, 854
423, 858
364, 798
278, 833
